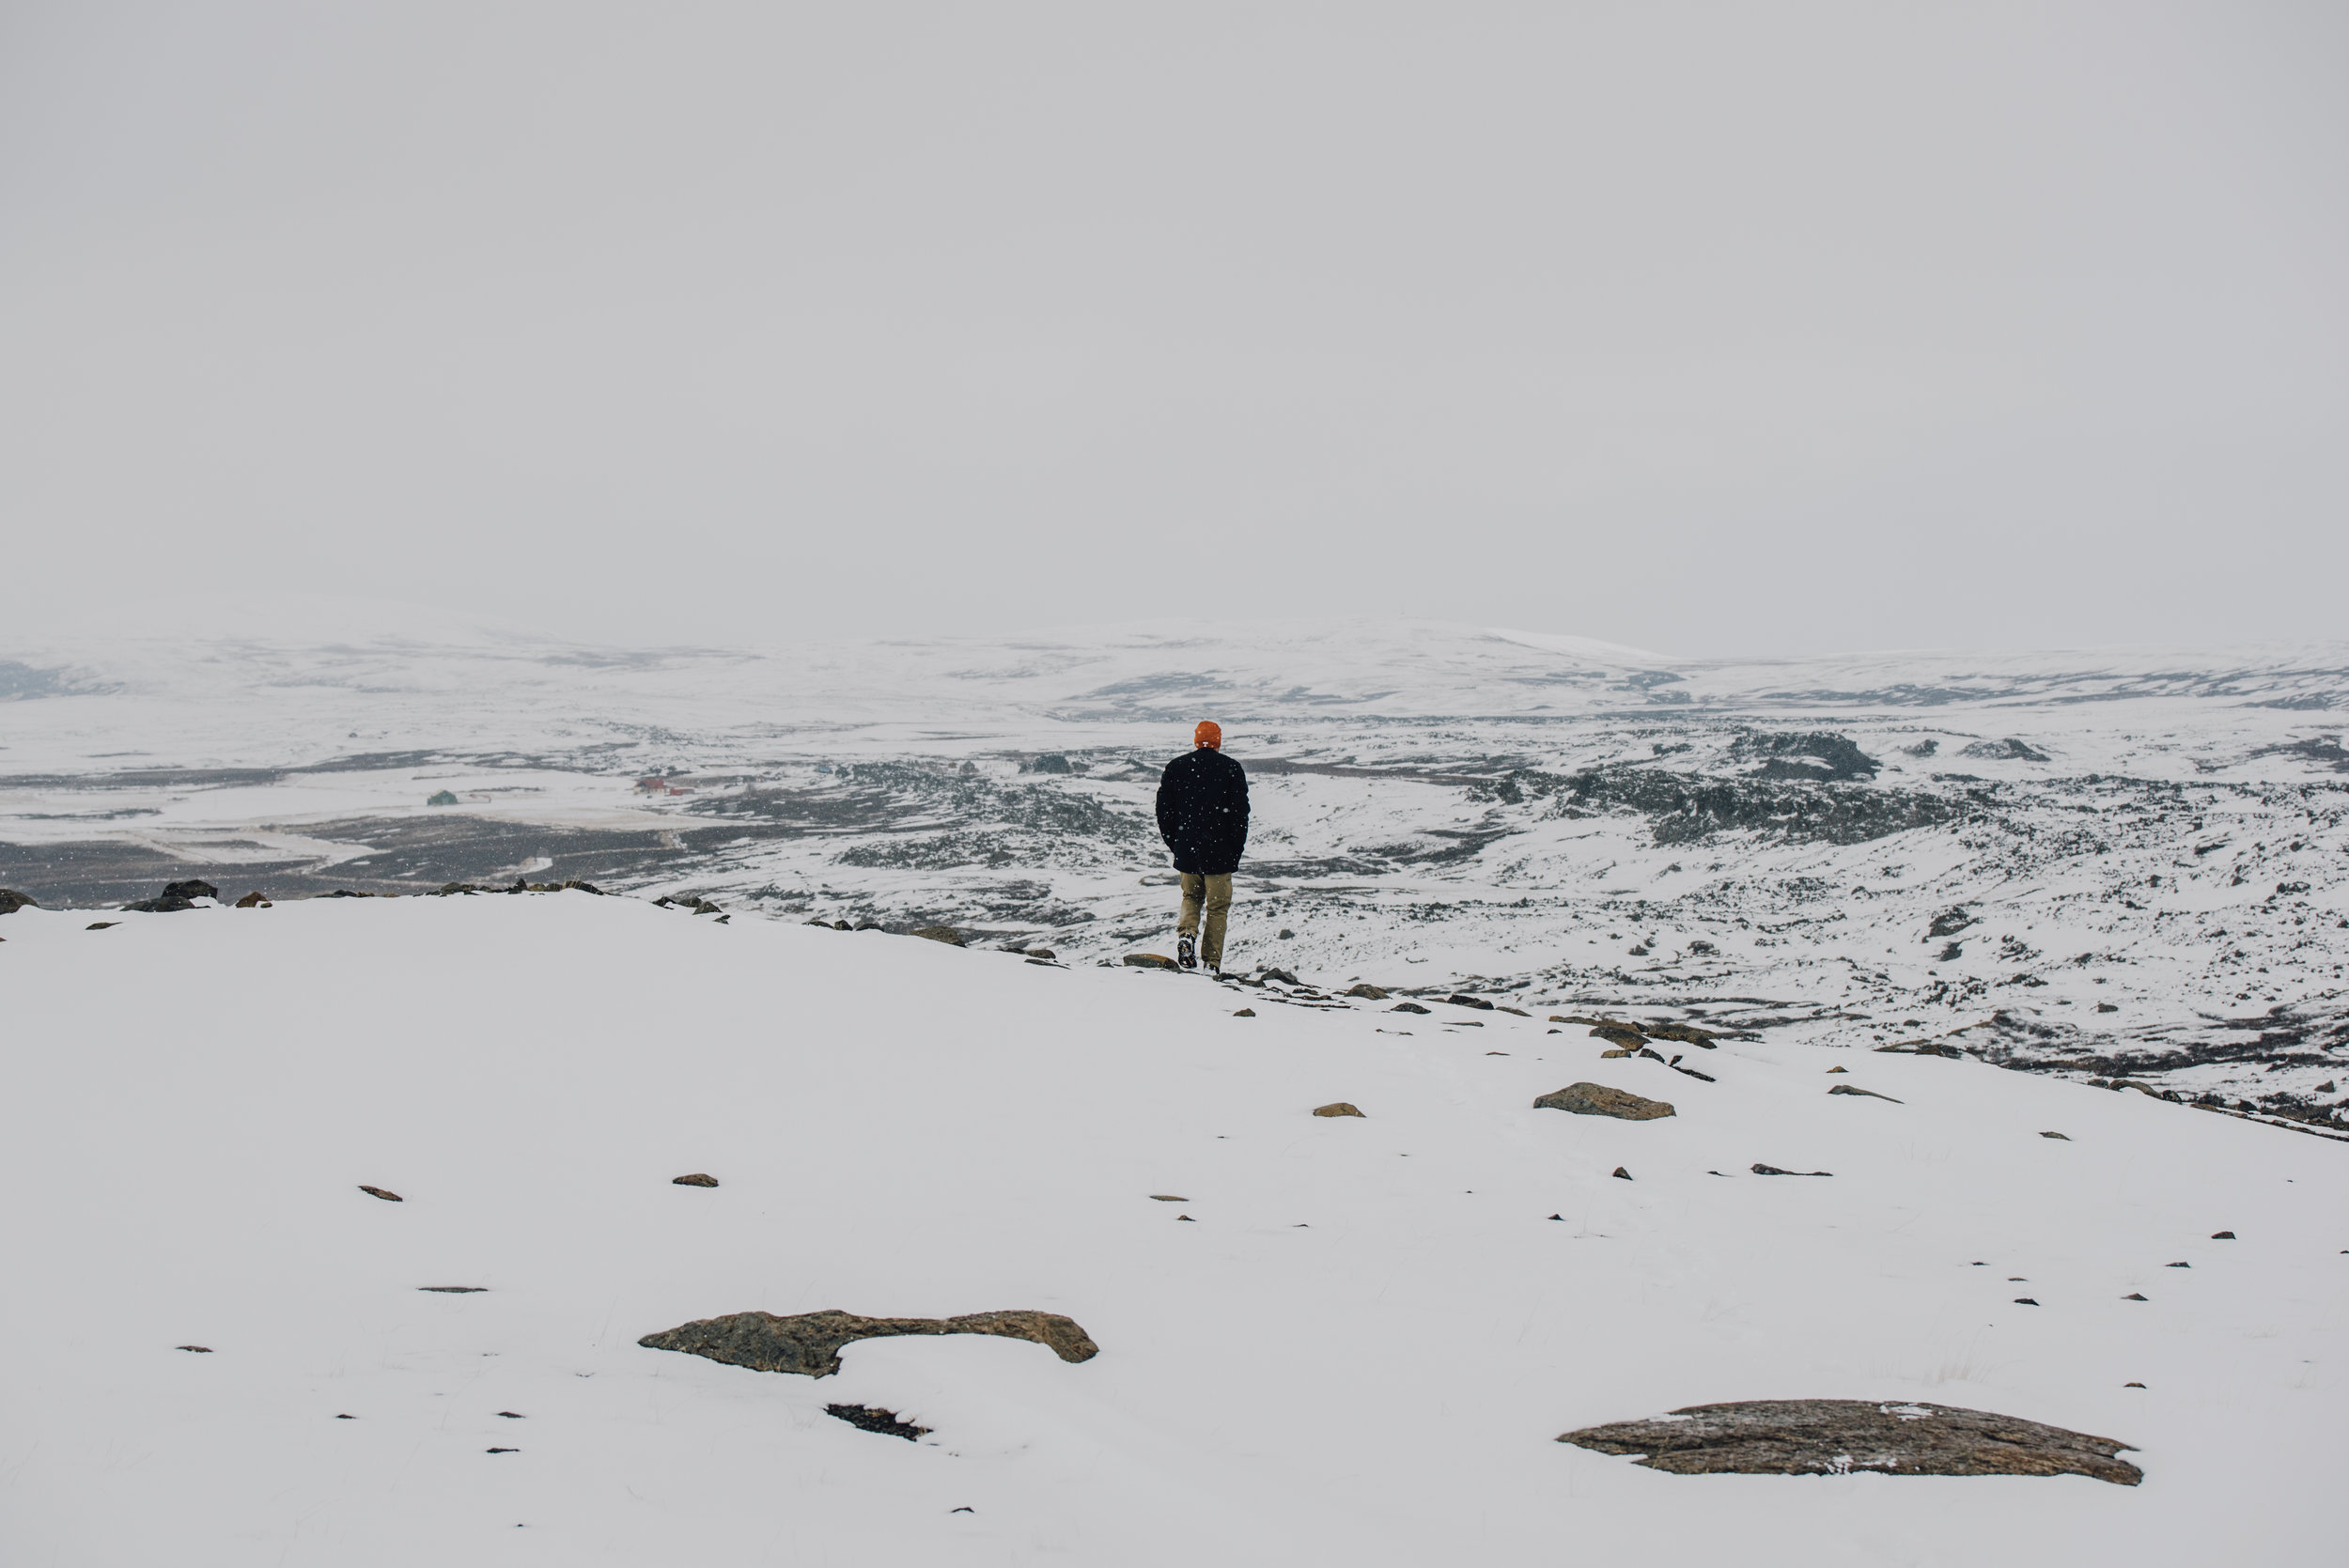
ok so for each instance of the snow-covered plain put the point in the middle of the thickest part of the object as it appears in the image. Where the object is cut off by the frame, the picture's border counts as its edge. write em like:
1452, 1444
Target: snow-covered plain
1353, 1340
2104, 865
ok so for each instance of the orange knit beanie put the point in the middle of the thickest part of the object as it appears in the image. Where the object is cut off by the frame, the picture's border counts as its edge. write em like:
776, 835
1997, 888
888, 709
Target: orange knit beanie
1210, 733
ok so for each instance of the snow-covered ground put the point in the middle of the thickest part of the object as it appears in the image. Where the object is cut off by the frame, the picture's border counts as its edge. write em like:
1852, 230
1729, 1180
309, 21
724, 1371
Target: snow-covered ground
1351, 1341
2111, 865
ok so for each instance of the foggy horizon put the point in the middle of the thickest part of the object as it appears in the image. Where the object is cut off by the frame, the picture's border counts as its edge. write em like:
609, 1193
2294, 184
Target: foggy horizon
1776, 333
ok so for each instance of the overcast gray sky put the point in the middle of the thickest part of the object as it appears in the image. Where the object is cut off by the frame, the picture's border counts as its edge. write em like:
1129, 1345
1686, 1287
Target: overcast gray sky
1708, 328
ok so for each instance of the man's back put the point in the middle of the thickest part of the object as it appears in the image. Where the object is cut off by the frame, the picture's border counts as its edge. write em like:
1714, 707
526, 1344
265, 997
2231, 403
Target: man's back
1202, 811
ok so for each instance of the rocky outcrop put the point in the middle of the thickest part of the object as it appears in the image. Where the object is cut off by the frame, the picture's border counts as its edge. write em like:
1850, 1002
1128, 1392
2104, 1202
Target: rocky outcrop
699, 1178
809, 1344
175, 896
1835, 1437
1150, 961
946, 934
1596, 1099
1336, 1107
11, 901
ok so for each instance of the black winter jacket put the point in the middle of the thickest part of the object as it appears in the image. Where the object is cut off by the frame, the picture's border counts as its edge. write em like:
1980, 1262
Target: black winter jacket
1202, 811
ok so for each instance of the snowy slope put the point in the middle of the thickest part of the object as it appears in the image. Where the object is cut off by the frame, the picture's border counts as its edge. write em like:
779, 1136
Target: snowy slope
1357, 1348
2110, 865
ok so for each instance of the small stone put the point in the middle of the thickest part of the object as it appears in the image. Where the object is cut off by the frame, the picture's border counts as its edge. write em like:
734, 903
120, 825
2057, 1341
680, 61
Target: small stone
1150, 961
1620, 1035
505, 1450
1518, 1011
511, 1415
192, 888
1850, 1088
946, 934
2222, 1236
455, 1290
1761, 1169
102, 925
378, 1192
1839, 1069
1622, 1173
872, 1417
2177, 1266
346, 1418
1185, 1219
1044, 952
199, 1349
1406, 1008
2025, 1301
1283, 976
2134, 1295
1287, 934
1336, 1107
1605, 1054
1596, 1099
1245, 1013
1368, 992
2056, 1135
254, 901
699, 1178
2132, 1385
1463, 1000
1167, 1198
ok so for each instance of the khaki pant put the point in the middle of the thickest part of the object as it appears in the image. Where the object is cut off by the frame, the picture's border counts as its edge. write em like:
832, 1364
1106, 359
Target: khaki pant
1215, 895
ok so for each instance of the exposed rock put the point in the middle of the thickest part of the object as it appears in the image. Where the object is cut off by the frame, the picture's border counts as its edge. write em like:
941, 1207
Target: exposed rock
946, 934
378, 1192
1337, 1108
1618, 1051
1839, 1069
1622, 1173
441, 798
2055, 1135
2134, 1295
11, 901
1921, 1048
102, 925
1285, 934
1817, 757
1596, 1099
513, 1415
1761, 1169
872, 1417
1168, 1197
2009, 749
699, 1178
500, 1450
1150, 961
809, 1343
1283, 976
1950, 922
199, 1349
1050, 762
1245, 1013
167, 903
1187, 1219
346, 893
1848, 1089
1465, 1000
1406, 1008
1835, 1437
1368, 992
2025, 1301
1046, 953
254, 901
2222, 1236
1518, 1011
192, 888
1623, 1034
455, 1290
1687, 1034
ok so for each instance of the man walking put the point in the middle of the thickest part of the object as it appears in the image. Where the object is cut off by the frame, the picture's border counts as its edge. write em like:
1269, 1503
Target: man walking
1203, 815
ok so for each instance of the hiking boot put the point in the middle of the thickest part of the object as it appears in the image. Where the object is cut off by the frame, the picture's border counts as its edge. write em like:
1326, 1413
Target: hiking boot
1187, 952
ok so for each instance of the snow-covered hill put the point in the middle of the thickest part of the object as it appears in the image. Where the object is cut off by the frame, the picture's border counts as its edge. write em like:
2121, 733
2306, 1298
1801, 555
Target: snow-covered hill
1322, 1338
2113, 865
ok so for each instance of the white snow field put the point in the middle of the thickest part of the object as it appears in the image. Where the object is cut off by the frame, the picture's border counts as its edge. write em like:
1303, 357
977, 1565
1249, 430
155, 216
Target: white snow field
1353, 1340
